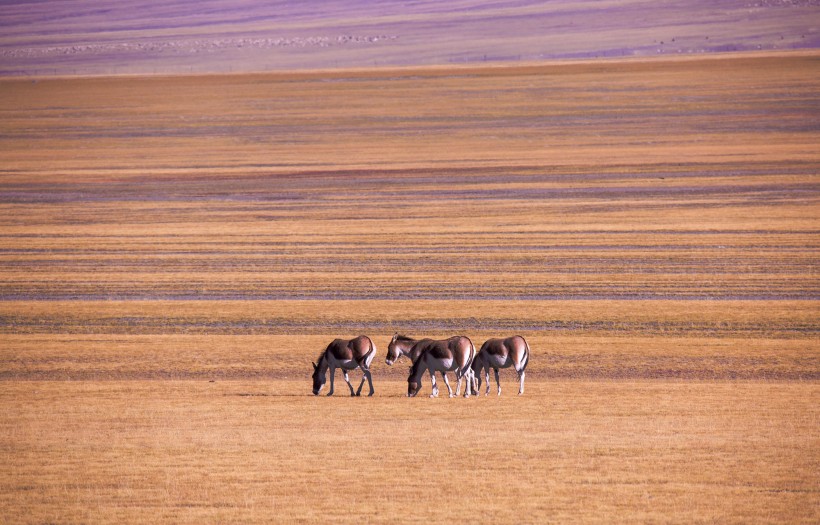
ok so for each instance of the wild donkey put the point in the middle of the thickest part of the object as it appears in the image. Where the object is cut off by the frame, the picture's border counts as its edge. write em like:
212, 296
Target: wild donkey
501, 353
347, 355
454, 354
402, 345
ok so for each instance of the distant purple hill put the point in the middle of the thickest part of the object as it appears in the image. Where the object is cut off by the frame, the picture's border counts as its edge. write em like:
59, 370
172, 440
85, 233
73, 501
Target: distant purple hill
179, 36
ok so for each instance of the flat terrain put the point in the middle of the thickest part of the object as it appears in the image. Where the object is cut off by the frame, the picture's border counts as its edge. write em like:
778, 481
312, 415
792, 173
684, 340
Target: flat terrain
175, 251
596, 452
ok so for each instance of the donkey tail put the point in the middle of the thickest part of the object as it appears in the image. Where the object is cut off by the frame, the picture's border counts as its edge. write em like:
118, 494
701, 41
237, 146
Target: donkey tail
469, 365
370, 355
526, 355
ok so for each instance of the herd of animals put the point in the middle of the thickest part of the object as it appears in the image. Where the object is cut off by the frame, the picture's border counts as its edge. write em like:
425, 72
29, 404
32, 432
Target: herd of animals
456, 354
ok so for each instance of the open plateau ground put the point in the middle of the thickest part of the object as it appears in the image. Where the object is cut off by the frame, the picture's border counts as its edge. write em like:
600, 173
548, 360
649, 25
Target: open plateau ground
175, 251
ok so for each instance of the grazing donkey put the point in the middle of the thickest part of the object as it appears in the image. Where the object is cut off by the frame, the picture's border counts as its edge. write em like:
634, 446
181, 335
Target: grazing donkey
501, 353
455, 354
347, 355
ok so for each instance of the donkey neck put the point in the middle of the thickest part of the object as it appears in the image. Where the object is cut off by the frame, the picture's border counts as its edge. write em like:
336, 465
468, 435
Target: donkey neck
405, 345
417, 370
323, 363
413, 353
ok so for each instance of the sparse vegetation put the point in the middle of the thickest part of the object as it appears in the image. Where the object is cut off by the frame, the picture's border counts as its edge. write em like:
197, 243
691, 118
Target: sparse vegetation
170, 451
175, 251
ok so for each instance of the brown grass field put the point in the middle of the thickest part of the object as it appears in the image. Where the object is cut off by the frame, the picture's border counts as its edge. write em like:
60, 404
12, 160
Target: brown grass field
175, 251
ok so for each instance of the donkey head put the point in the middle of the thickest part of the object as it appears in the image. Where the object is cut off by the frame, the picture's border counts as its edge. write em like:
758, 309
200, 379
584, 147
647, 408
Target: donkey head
319, 379
413, 383
474, 382
393, 352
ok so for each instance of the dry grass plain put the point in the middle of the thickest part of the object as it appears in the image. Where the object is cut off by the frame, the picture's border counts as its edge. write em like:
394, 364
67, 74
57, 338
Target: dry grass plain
174, 251
569, 451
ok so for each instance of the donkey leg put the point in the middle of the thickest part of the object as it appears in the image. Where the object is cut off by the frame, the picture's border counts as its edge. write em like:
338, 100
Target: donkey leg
497, 382
347, 380
370, 382
487, 380
332, 373
366, 375
359, 390
521, 382
468, 382
447, 382
435, 386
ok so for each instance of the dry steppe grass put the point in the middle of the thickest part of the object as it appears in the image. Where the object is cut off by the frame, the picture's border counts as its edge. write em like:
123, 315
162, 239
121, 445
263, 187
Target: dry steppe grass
275, 340
174, 251
597, 452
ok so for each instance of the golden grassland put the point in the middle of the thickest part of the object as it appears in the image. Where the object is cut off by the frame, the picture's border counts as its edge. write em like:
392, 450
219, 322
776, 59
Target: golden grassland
175, 251
581, 340
597, 452
746, 108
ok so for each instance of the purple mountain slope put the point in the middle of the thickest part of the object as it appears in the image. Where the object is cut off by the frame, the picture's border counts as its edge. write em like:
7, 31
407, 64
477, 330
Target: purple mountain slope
148, 36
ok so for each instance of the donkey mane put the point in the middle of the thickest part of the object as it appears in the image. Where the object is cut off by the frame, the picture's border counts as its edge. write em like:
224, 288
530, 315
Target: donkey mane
322, 355
405, 339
